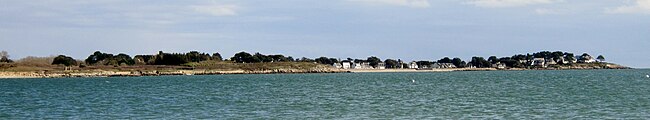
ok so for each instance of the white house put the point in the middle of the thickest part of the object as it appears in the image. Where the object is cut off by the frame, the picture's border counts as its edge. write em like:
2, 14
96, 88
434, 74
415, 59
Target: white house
413, 65
499, 65
366, 65
442, 65
381, 65
347, 65
337, 65
356, 65
538, 62
551, 62
585, 58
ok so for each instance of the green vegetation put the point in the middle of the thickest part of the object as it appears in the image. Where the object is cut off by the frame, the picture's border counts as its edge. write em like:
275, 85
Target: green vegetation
600, 58
392, 64
246, 61
244, 57
229, 65
64, 60
99, 58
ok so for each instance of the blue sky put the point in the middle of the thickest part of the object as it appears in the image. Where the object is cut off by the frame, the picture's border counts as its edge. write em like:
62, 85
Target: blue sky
406, 29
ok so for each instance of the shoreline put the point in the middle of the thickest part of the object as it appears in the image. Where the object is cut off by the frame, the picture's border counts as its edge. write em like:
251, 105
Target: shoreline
91, 74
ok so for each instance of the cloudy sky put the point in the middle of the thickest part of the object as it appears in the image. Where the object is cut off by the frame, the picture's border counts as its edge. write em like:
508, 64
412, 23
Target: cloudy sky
407, 29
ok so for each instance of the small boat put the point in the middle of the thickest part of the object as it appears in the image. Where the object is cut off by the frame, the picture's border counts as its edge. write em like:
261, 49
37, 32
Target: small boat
648, 76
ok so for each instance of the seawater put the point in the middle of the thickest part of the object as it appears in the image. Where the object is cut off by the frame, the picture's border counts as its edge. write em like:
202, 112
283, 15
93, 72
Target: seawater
564, 94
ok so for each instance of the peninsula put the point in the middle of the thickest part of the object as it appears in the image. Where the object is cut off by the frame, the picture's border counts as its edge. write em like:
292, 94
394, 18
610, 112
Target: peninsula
100, 64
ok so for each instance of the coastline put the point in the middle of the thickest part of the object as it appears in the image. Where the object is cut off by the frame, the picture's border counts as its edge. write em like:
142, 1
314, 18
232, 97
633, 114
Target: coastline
100, 73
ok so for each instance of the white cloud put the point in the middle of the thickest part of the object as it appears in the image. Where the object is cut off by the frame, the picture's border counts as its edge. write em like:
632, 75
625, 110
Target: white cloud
509, 3
641, 6
217, 10
408, 3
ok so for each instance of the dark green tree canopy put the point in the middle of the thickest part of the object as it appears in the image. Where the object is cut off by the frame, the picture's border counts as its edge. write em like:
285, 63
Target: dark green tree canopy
109, 59
217, 57
445, 60
493, 59
424, 63
64, 60
325, 60
479, 62
390, 63
601, 58
244, 57
458, 62
374, 61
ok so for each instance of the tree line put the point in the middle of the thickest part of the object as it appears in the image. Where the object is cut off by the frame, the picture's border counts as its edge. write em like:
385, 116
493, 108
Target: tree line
515, 61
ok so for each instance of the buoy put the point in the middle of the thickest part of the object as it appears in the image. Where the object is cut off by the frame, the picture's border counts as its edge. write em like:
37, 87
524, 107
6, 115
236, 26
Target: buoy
648, 76
413, 81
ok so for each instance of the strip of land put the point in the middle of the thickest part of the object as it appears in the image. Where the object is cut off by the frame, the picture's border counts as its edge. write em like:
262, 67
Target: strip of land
101, 64
219, 68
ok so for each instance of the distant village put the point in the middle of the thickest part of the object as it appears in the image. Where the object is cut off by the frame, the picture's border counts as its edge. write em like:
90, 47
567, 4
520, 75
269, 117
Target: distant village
529, 61
542, 59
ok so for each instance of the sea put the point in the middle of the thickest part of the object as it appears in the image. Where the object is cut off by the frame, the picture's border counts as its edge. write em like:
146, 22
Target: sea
551, 94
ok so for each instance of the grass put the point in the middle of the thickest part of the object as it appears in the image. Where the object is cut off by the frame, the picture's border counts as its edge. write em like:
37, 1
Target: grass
227, 65
204, 65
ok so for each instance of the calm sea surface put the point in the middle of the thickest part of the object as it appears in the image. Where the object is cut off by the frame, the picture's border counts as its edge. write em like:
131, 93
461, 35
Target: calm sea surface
579, 94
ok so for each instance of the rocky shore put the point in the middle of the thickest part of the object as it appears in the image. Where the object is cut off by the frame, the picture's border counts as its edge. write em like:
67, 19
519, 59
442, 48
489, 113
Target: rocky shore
100, 73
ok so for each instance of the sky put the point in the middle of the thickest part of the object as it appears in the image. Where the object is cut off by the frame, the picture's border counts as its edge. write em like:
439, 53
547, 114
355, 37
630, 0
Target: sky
398, 29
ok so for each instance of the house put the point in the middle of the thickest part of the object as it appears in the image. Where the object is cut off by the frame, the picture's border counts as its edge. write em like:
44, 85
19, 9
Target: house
538, 62
562, 61
381, 65
413, 65
346, 65
337, 65
470, 66
366, 65
442, 65
586, 59
356, 65
551, 62
499, 65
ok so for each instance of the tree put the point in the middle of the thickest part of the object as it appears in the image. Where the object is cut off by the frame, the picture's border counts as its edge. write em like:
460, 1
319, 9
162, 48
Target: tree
458, 62
263, 58
390, 63
359, 60
445, 60
109, 59
569, 57
585, 56
195, 56
324, 60
424, 63
171, 59
243, 57
124, 59
334, 60
601, 58
479, 62
493, 59
4, 57
64, 60
374, 61
217, 57
557, 55
280, 58
305, 59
